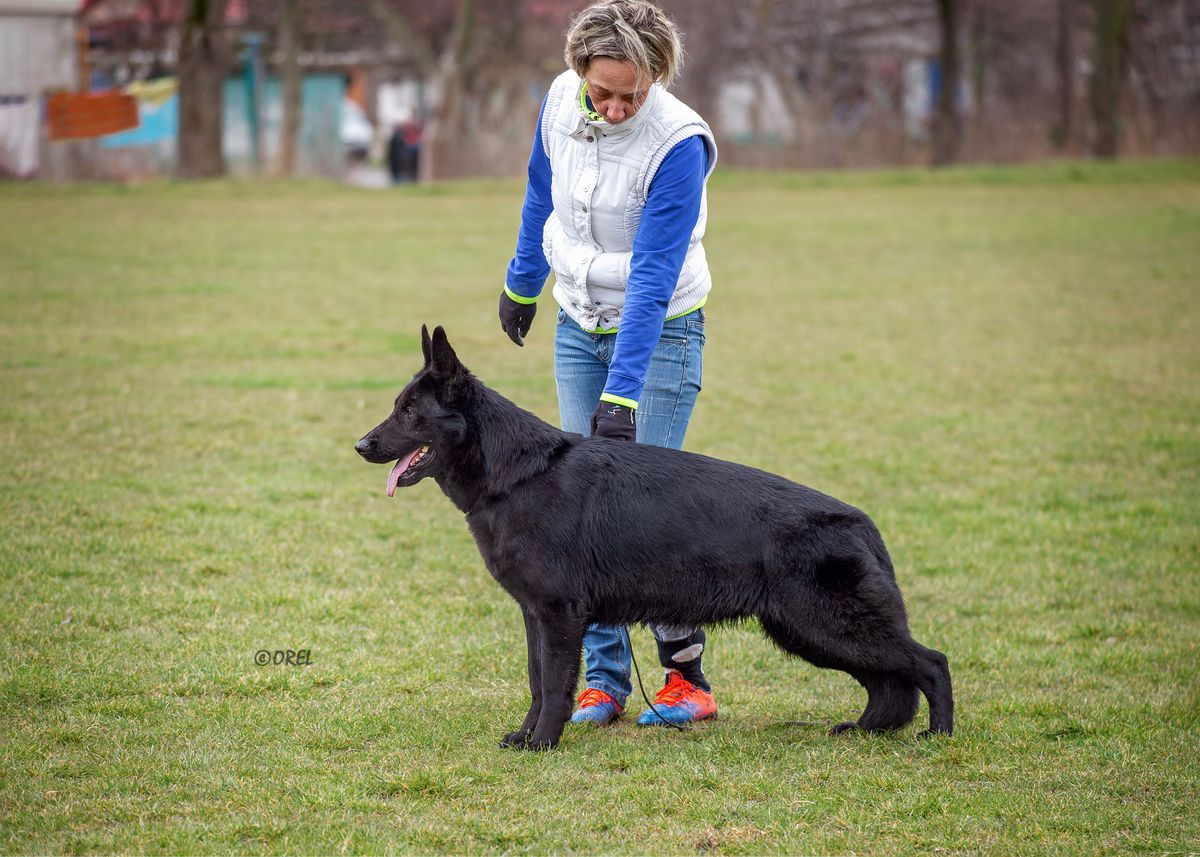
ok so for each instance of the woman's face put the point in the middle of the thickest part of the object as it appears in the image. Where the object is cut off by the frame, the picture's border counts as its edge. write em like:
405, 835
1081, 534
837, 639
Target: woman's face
615, 88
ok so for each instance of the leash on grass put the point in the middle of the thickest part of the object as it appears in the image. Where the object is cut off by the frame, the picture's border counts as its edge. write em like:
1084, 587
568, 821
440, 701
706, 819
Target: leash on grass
638, 673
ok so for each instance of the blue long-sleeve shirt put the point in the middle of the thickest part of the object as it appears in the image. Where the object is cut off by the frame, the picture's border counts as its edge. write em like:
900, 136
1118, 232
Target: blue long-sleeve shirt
659, 247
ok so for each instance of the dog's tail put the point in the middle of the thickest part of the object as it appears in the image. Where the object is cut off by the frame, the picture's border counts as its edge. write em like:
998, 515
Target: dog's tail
891, 701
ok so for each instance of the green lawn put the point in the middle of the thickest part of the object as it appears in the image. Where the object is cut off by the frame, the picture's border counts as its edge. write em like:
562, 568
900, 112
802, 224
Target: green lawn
1002, 366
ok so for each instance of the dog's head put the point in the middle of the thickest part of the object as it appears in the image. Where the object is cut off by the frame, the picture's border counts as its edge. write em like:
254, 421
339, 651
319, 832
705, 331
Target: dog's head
424, 427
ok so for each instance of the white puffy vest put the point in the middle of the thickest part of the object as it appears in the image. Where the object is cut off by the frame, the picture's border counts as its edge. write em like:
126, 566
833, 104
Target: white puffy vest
601, 176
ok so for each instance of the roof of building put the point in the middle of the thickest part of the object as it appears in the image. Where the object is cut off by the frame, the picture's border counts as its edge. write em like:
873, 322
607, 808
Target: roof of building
39, 7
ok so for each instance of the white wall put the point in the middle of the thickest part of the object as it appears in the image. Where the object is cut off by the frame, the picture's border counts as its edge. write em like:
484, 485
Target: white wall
37, 52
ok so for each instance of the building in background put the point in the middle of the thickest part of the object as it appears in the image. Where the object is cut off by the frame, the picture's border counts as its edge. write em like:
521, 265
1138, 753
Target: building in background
38, 48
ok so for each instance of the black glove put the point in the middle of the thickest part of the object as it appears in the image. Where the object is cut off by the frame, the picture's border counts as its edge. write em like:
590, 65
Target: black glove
516, 318
614, 421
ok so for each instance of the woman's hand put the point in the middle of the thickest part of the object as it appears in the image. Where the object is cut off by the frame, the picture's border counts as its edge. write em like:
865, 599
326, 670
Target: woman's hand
516, 318
614, 421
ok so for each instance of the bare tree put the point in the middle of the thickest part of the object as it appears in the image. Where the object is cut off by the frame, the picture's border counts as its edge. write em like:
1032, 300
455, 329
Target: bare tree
289, 44
1111, 53
203, 60
1063, 129
947, 123
449, 83
443, 72
478, 60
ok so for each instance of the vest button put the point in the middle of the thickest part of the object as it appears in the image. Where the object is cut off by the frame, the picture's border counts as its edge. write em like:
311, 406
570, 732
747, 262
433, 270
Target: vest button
585, 209
591, 139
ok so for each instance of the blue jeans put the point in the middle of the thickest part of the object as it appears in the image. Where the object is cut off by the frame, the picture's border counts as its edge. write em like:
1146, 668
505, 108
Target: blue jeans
581, 361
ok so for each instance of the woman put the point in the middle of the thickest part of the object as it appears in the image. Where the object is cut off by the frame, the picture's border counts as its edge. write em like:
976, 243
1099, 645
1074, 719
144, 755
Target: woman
615, 205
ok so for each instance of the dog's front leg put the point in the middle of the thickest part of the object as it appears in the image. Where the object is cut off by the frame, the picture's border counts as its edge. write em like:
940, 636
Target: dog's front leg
533, 649
561, 642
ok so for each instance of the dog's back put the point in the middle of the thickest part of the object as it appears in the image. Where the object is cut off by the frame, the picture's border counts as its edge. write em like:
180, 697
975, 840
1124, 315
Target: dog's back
640, 531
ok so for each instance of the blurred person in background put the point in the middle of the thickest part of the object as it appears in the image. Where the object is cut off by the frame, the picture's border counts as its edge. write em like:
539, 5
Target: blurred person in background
404, 151
615, 205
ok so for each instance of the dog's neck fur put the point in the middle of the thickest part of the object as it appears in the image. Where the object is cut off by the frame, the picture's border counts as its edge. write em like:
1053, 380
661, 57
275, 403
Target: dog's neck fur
528, 446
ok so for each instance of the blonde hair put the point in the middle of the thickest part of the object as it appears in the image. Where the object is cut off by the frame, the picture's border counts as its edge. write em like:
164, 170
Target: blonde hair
629, 30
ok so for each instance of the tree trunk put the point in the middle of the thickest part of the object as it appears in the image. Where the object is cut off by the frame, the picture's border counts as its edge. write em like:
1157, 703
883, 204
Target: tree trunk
947, 124
1064, 61
776, 63
446, 118
289, 38
1112, 26
980, 58
431, 163
202, 65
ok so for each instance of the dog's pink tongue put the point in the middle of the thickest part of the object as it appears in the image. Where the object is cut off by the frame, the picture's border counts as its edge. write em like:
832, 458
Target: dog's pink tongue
398, 470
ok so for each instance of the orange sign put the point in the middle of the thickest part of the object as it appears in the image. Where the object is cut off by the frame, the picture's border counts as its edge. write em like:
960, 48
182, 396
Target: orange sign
71, 115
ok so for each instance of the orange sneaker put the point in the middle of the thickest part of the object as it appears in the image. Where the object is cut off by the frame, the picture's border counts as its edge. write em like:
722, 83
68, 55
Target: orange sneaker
597, 707
679, 701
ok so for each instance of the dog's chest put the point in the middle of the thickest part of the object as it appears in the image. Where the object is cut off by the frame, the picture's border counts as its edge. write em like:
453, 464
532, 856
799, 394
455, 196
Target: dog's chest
504, 555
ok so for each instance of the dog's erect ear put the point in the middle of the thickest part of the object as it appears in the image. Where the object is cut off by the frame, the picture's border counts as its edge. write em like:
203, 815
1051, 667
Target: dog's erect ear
445, 361
426, 348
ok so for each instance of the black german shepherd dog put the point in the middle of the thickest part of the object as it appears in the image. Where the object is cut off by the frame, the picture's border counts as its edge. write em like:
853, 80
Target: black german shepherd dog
582, 530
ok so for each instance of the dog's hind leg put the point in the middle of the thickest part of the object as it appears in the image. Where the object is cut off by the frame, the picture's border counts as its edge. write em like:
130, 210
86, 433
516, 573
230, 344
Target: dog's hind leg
560, 643
878, 658
933, 677
533, 649
891, 702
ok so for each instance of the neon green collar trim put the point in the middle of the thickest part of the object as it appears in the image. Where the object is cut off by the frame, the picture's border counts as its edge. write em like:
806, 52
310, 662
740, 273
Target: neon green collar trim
583, 105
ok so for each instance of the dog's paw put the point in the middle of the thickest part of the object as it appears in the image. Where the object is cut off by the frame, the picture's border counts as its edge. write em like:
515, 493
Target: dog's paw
539, 746
848, 726
930, 734
516, 740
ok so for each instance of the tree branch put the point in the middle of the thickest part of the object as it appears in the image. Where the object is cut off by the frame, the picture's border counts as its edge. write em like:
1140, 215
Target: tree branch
422, 53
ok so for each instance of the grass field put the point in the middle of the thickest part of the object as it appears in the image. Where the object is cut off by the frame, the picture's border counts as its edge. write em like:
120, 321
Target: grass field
1002, 366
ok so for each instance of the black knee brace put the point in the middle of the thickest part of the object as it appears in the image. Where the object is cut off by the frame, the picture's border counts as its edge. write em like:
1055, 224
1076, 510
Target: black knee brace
685, 657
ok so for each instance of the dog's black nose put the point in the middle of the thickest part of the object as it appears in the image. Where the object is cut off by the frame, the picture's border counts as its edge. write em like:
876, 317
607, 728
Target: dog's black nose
363, 446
